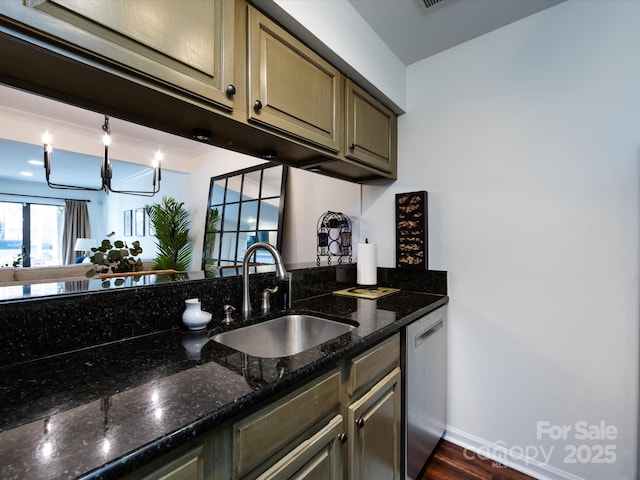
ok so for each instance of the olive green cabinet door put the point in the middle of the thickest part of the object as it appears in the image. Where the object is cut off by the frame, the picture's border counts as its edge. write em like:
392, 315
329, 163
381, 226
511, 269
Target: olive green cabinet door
290, 87
371, 131
374, 431
319, 458
189, 466
186, 44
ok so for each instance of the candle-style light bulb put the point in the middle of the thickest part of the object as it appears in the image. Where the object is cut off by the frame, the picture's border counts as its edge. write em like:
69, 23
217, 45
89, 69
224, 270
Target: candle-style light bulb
106, 139
156, 167
159, 158
46, 139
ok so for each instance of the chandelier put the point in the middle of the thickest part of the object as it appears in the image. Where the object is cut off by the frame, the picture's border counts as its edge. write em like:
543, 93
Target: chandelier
106, 171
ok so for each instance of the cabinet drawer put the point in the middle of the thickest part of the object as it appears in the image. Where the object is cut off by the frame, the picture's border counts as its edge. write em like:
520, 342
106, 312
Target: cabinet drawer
319, 457
262, 434
374, 364
189, 466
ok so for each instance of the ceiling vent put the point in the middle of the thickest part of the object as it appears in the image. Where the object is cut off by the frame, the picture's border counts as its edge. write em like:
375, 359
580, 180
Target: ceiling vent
431, 3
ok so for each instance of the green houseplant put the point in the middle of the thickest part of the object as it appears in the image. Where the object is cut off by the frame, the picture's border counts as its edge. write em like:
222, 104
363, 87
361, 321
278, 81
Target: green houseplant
210, 235
171, 223
17, 262
114, 258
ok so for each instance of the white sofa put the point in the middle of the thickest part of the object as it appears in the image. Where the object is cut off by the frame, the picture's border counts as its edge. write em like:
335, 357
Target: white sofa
28, 275
59, 273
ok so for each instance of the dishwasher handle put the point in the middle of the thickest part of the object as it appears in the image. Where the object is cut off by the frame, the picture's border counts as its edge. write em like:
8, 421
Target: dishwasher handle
421, 337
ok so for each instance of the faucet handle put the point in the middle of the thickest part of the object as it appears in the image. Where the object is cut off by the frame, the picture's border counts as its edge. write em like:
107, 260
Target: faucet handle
266, 304
228, 311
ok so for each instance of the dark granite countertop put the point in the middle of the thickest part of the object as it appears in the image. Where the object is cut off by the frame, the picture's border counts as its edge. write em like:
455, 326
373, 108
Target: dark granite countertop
104, 411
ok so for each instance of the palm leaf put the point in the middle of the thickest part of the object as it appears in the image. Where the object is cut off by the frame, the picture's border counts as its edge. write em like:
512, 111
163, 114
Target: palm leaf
171, 223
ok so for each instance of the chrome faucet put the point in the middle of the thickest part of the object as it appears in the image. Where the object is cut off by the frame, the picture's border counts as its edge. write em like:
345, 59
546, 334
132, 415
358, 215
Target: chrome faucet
281, 272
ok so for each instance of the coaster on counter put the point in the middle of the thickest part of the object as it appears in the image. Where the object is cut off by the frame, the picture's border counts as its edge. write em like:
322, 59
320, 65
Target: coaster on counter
370, 293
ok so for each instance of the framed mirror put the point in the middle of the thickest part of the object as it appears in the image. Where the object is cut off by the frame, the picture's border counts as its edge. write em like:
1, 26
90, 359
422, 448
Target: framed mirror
244, 207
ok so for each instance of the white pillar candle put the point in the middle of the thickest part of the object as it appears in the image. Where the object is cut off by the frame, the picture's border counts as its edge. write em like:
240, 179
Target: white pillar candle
367, 264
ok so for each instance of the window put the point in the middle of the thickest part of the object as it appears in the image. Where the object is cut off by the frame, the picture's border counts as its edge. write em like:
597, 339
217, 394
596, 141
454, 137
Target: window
32, 229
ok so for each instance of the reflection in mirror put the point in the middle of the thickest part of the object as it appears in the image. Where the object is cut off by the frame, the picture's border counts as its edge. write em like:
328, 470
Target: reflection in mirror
270, 183
244, 207
268, 220
187, 168
252, 184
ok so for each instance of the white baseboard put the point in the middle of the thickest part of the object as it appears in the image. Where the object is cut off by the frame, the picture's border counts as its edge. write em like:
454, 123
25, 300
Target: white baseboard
497, 453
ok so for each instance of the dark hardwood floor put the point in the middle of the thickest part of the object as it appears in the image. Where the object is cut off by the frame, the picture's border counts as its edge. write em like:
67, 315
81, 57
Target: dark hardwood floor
450, 463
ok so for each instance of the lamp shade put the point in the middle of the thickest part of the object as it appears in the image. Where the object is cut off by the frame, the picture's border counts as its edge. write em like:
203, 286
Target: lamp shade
85, 244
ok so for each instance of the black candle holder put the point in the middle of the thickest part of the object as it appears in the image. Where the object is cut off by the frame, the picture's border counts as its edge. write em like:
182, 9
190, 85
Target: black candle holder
334, 237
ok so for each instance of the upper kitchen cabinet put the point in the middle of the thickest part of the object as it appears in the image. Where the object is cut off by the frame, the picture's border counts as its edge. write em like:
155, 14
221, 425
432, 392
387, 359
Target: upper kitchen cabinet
184, 46
371, 131
291, 88
220, 71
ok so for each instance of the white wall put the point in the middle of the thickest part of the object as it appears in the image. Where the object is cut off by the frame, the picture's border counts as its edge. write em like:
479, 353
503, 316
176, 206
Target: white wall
309, 196
173, 184
528, 142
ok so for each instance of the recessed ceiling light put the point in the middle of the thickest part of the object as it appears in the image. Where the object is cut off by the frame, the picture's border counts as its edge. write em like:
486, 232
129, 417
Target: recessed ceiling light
36, 162
26, 174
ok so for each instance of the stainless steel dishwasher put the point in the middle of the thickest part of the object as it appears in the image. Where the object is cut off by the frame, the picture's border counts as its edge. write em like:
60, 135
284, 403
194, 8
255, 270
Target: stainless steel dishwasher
425, 389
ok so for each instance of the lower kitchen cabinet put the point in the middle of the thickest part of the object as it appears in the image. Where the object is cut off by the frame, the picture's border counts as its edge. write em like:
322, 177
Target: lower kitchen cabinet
319, 458
374, 431
189, 466
373, 413
191, 461
267, 436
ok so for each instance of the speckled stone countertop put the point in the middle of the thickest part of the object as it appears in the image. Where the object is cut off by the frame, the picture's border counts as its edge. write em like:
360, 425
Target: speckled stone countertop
104, 411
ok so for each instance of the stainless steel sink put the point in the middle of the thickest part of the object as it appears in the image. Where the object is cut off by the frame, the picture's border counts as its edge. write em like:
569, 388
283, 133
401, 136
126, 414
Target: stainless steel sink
283, 336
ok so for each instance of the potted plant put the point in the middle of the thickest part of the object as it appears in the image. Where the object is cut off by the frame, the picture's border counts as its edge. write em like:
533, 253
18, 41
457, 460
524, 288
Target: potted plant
114, 258
17, 262
171, 223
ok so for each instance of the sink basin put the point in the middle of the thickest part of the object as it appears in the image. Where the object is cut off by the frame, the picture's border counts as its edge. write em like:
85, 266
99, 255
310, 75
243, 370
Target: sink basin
283, 336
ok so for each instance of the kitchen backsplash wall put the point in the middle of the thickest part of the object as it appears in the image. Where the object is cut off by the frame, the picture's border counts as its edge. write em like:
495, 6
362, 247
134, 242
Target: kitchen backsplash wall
41, 327
312, 281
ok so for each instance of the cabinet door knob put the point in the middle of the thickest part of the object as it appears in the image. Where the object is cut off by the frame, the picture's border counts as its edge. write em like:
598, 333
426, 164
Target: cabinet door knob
257, 105
231, 90
342, 438
352, 146
360, 422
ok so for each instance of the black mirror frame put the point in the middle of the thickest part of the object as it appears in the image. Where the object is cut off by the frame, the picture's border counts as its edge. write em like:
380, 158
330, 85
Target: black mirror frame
281, 207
